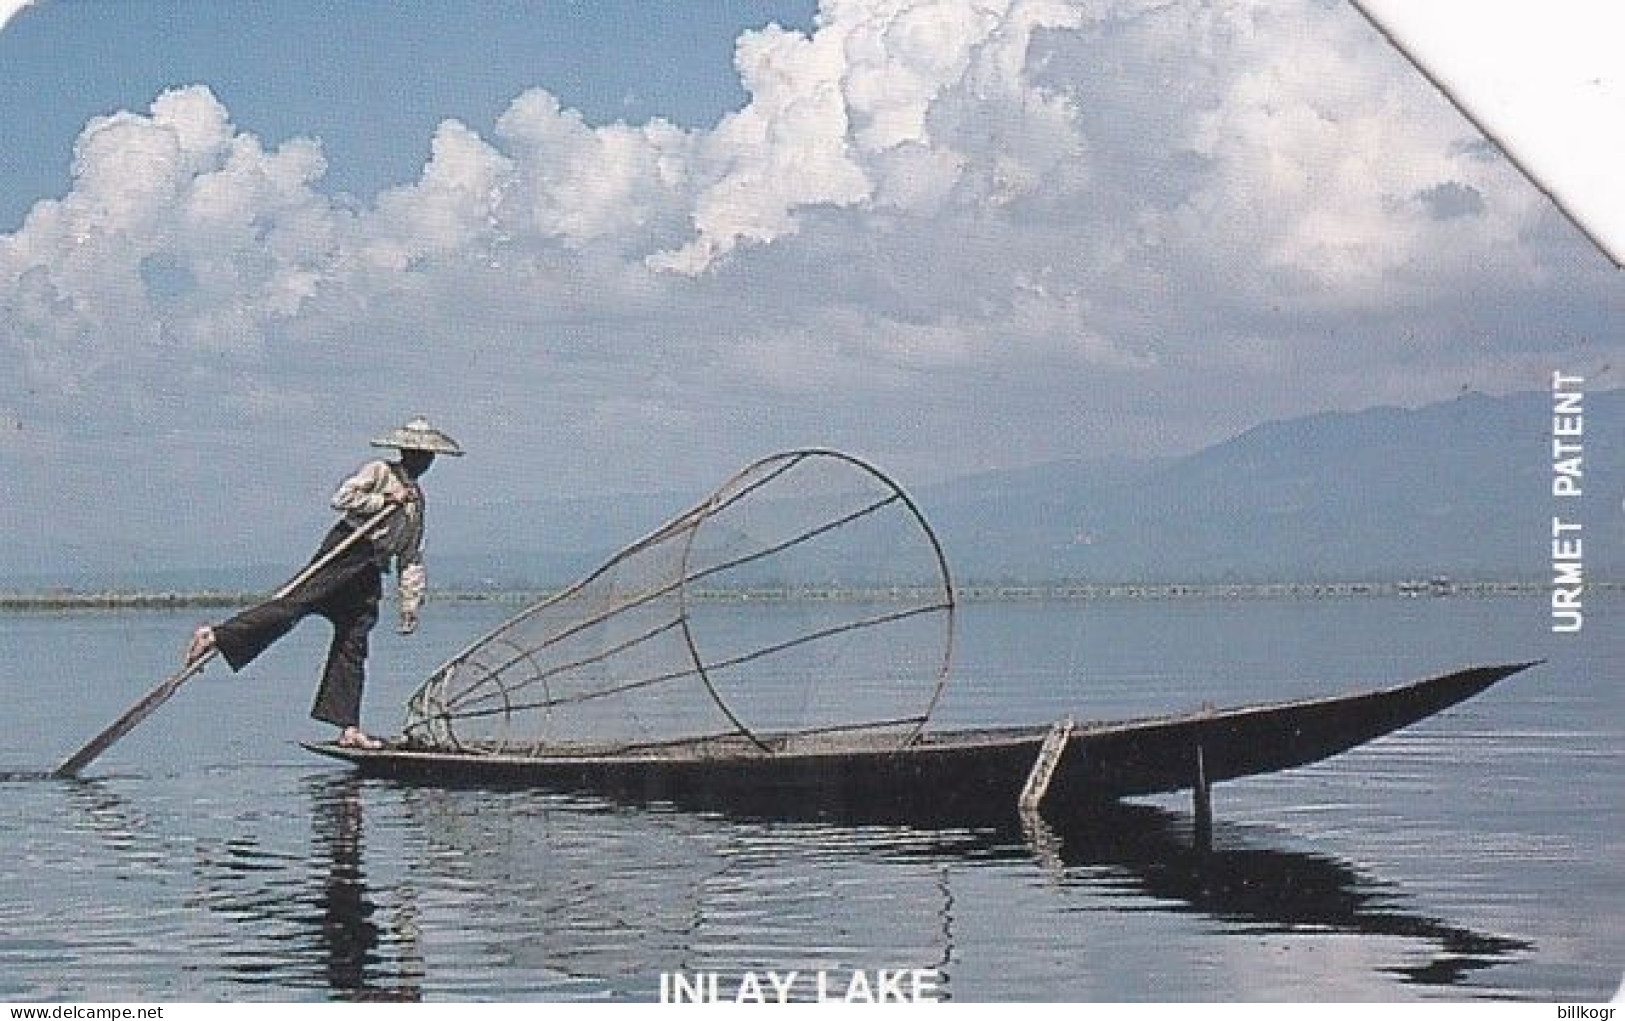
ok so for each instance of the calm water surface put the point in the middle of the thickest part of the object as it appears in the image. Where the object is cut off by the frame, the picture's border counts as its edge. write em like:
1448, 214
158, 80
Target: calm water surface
207, 856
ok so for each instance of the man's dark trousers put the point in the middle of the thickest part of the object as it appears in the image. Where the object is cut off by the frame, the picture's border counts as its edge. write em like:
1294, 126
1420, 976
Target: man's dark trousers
346, 592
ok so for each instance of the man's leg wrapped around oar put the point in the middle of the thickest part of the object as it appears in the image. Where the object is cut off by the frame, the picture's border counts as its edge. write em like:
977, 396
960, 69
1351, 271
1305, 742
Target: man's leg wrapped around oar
346, 590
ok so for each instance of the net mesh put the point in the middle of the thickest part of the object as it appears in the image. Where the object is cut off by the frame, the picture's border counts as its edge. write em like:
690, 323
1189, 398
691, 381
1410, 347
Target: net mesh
804, 599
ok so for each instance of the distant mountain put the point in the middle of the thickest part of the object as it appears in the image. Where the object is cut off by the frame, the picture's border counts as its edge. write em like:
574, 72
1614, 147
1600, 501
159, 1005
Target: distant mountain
1460, 488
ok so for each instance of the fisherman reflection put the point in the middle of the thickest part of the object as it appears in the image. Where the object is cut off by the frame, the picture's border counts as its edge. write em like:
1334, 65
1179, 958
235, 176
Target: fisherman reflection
350, 935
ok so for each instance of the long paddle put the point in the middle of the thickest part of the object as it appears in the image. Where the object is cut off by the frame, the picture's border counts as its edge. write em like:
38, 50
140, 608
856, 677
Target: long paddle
159, 695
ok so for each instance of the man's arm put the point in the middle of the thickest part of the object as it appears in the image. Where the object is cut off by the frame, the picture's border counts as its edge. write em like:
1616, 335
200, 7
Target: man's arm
365, 492
414, 582
414, 577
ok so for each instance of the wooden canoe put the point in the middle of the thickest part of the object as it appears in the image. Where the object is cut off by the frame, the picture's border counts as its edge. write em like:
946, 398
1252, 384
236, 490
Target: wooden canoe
965, 774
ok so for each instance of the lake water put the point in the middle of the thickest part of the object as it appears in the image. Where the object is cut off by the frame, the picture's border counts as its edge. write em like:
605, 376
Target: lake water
1478, 855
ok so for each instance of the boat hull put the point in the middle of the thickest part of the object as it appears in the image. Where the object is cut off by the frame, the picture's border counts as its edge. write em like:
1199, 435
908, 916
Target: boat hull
965, 774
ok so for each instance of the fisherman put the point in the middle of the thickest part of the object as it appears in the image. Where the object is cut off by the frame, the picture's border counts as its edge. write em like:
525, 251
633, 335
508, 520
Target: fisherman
346, 591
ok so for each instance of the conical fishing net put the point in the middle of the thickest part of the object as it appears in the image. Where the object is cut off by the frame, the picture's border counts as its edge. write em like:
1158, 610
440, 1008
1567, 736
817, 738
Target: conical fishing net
803, 602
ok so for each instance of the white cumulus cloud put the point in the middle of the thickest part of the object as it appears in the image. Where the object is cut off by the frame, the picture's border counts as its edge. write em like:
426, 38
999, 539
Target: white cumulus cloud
180, 231
873, 106
1022, 222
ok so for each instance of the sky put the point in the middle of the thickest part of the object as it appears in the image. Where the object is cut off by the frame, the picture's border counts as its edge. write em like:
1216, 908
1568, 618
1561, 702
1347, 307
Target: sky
627, 247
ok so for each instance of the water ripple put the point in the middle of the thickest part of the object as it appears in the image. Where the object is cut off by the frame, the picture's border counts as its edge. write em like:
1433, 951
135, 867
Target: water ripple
1476, 855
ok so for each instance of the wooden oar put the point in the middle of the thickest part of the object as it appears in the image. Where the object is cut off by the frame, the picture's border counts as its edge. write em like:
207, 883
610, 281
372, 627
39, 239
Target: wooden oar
159, 695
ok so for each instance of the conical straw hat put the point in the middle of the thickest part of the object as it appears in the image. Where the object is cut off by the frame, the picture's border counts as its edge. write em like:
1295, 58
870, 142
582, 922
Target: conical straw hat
418, 434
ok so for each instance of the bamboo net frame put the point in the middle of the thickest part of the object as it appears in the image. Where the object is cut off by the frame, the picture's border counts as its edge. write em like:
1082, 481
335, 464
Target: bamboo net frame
806, 596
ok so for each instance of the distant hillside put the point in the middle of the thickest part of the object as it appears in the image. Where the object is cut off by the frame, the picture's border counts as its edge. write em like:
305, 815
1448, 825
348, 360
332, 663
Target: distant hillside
1459, 488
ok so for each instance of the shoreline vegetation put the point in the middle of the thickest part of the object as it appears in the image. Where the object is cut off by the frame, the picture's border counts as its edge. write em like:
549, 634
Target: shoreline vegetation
59, 600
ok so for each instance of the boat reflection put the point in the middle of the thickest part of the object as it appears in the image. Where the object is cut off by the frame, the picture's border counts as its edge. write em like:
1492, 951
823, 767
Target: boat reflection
1269, 889
562, 896
1229, 874
1240, 879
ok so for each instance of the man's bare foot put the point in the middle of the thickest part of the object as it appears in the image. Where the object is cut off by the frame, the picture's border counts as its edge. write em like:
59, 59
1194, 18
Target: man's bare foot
354, 737
202, 644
